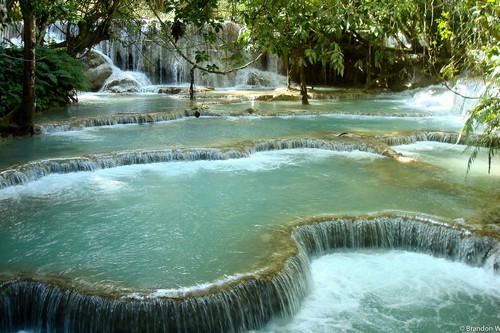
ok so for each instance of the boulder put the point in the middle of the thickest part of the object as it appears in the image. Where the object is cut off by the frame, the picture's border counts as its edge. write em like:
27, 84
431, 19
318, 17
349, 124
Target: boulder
97, 76
98, 69
122, 84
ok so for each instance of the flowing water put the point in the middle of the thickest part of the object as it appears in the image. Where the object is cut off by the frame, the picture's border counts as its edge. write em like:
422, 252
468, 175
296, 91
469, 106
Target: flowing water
394, 291
173, 204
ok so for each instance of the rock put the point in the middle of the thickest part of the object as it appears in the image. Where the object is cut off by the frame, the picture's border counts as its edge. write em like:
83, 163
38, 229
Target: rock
122, 84
98, 69
286, 97
97, 76
169, 90
264, 98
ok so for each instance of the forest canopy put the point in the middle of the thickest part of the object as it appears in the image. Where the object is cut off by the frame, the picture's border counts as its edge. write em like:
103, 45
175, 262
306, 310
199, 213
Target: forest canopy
359, 42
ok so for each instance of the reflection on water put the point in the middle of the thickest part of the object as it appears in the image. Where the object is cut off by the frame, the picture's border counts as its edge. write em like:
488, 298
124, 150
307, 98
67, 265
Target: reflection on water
91, 105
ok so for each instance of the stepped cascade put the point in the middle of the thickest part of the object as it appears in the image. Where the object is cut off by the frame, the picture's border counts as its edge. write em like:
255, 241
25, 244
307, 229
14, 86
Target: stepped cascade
148, 212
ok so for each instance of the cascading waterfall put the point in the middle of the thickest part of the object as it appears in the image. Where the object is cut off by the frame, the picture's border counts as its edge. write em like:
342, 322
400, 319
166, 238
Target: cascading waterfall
412, 234
468, 93
34, 170
408, 138
242, 302
380, 145
119, 119
143, 51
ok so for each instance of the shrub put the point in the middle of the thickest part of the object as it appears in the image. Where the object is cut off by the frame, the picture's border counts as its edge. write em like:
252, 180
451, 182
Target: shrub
58, 78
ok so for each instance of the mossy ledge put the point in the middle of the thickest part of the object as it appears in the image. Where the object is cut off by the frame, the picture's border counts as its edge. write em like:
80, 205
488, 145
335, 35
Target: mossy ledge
241, 302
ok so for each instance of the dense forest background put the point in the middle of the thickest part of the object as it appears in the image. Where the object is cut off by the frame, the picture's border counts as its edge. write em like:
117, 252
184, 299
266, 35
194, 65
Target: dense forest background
363, 43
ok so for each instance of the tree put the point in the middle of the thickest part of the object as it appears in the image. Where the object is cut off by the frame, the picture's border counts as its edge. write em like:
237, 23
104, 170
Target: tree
20, 121
479, 55
183, 20
93, 21
301, 32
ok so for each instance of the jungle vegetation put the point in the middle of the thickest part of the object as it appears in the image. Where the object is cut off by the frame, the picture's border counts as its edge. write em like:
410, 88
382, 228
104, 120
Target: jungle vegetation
366, 43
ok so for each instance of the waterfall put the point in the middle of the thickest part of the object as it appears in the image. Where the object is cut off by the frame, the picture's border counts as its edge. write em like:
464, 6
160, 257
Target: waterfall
409, 138
142, 50
457, 99
333, 145
243, 302
32, 171
117, 119
415, 234
469, 91
35, 170
404, 139
238, 305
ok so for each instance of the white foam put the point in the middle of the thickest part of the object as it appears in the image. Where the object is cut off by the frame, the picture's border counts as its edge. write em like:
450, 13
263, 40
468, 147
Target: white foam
382, 291
116, 179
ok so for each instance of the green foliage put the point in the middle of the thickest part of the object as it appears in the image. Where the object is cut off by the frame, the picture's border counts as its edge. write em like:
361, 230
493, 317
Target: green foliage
10, 81
480, 54
58, 78
484, 117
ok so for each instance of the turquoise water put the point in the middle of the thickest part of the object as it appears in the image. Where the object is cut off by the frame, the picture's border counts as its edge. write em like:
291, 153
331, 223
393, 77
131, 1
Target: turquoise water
199, 132
91, 105
179, 224
189, 222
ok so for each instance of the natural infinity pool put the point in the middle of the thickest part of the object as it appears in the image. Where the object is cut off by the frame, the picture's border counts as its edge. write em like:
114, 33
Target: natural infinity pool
180, 223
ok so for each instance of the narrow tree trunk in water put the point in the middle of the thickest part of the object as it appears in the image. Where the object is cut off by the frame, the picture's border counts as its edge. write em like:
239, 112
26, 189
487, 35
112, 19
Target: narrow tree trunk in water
303, 87
191, 86
288, 73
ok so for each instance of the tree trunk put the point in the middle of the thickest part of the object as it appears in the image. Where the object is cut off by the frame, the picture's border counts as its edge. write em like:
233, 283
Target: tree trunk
303, 86
288, 73
20, 120
369, 68
191, 85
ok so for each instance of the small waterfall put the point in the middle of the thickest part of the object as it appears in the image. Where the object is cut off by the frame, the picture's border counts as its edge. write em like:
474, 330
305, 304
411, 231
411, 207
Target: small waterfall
404, 139
117, 119
468, 94
333, 145
340, 143
235, 306
35, 170
414, 234
457, 99
244, 302
123, 81
32, 171
11, 33
409, 138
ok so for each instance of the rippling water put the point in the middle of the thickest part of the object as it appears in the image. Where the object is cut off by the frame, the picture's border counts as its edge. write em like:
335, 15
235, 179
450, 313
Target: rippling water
183, 223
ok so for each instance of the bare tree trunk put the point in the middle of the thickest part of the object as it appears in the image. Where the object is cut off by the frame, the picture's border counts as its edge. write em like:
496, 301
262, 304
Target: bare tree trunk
369, 68
191, 85
303, 86
26, 113
288, 73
